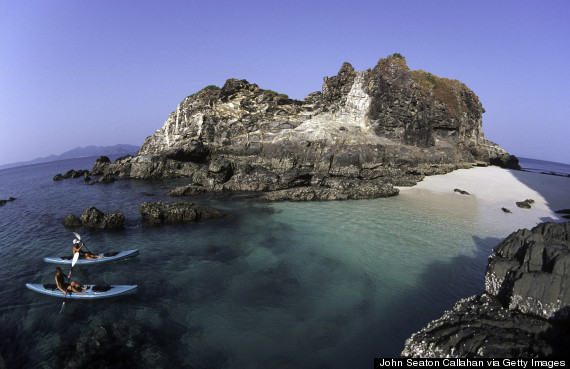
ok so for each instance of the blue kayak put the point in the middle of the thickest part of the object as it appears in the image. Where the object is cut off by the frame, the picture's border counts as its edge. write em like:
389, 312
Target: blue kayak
91, 293
107, 256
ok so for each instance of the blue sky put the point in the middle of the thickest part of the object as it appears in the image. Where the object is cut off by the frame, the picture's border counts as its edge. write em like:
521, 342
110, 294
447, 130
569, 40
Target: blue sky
101, 72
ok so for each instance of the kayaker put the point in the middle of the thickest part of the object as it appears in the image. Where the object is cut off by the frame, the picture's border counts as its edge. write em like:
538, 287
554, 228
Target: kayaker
77, 247
63, 286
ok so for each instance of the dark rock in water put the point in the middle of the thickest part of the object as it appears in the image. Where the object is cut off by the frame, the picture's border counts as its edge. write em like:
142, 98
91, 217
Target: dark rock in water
563, 211
93, 218
71, 174
101, 165
386, 126
526, 204
525, 310
105, 178
506, 210
2, 202
461, 191
179, 212
71, 221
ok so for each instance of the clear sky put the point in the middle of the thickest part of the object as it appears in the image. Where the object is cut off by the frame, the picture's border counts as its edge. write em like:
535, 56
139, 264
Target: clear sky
102, 72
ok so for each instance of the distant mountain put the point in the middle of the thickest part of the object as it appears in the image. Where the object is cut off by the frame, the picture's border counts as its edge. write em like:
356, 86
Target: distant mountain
78, 152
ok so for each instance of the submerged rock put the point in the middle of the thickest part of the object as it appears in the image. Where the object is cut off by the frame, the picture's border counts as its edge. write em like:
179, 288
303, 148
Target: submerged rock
180, 212
524, 311
386, 126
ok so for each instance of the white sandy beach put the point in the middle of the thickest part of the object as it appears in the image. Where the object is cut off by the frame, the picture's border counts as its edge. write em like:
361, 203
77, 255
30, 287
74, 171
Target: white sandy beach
491, 189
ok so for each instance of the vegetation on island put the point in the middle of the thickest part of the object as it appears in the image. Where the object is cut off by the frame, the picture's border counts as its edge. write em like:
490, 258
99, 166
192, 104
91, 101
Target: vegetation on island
444, 89
278, 94
207, 88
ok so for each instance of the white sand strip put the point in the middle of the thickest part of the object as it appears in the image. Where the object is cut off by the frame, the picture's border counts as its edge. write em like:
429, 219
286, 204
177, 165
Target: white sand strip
494, 188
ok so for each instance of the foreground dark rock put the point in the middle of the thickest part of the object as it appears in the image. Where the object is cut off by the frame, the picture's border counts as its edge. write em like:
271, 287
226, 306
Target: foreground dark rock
383, 127
180, 212
524, 311
93, 218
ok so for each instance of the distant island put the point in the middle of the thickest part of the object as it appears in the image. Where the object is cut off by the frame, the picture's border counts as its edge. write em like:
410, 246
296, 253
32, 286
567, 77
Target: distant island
78, 152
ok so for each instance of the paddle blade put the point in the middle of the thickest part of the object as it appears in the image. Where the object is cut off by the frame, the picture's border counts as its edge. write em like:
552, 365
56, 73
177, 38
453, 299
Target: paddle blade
77, 235
75, 258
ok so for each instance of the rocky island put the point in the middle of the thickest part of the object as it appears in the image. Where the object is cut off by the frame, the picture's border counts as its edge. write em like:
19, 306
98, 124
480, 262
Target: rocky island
364, 133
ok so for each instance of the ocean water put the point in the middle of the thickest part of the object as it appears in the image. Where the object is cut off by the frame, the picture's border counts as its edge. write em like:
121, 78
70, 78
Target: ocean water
274, 285
542, 166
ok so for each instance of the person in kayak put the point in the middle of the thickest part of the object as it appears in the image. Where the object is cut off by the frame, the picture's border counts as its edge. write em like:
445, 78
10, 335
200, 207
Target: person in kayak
63, 286
77, 247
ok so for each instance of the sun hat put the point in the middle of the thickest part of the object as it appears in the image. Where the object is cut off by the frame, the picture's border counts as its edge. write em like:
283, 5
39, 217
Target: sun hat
75, 241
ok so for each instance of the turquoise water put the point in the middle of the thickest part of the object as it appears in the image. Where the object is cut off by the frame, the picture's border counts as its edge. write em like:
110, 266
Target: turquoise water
280, 285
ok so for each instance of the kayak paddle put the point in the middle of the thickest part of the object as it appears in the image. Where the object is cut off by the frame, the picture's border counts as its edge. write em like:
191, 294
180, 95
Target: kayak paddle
75, 258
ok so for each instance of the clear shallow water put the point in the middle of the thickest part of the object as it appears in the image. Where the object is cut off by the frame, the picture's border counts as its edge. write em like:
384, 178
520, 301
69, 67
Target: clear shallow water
282, 285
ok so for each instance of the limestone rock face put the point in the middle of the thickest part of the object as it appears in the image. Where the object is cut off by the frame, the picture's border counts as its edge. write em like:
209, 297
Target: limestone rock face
387, 124
524, 311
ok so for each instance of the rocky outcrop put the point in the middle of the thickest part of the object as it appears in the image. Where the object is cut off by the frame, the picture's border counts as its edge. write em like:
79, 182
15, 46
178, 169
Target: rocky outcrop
72, 173
524, 311
93, 218
387, 126
180, 212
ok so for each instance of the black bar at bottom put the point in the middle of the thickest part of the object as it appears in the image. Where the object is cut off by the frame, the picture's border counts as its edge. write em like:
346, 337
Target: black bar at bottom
467, 363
